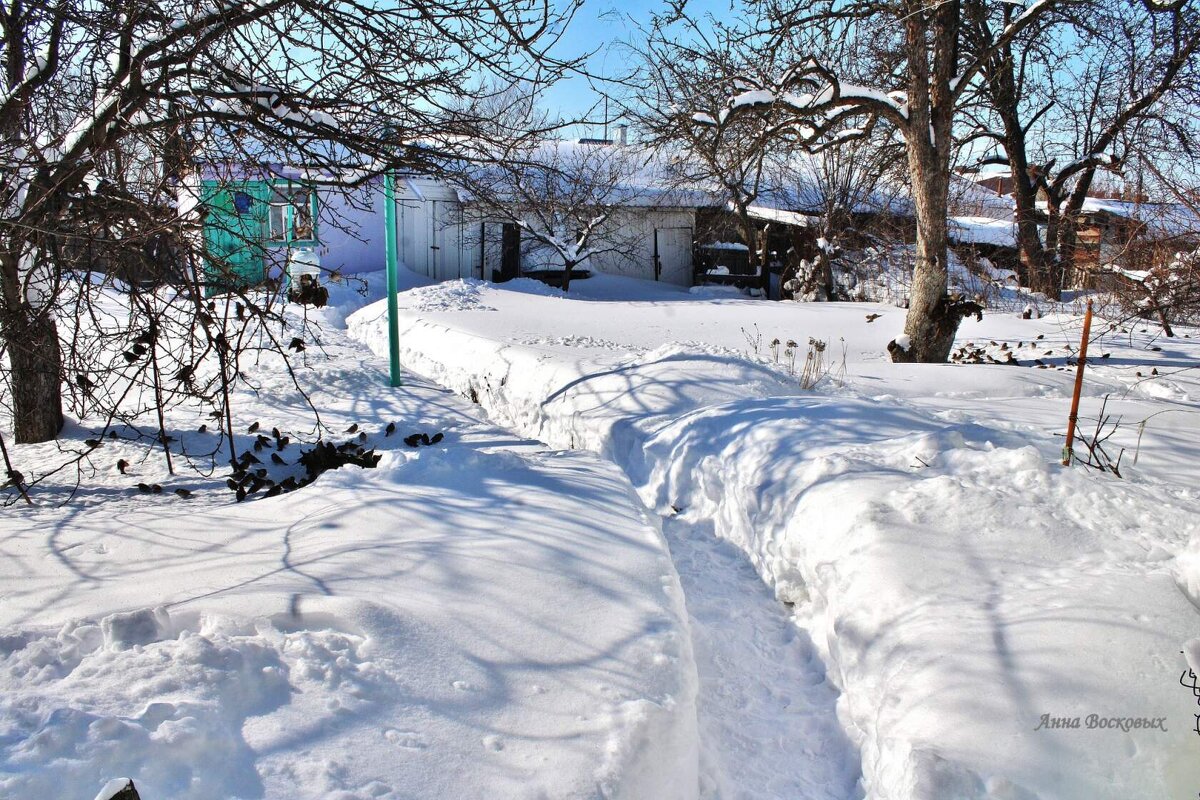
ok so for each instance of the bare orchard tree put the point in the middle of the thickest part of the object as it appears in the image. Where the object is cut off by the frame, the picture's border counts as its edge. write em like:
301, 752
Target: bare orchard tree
822, 72
682, 81
1166, 285
92, 93
836, 189
1087, 91
572, 201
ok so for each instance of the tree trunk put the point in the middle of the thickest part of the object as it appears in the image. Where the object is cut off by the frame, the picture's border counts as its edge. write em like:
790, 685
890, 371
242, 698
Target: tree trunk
566, 279
1039, 264
1034, 254
1053, 228
30, 338
1067, 238
927, 324
824, 268
933, 317
750, 235
36, 380
1063, 273
764, 261
1038, 261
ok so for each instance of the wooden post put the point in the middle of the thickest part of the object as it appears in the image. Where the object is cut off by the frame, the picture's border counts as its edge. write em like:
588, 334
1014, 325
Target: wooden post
1074, 418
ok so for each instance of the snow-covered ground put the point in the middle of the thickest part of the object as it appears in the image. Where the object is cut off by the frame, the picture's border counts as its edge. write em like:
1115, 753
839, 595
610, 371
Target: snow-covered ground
767, 715
483, 617
960, 587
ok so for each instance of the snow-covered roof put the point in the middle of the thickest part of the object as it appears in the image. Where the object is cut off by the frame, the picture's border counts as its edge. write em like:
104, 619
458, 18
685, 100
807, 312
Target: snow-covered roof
1159, 219
662, 177
968, 198
983, 230
766, 214
237, 171
807, 198
644, 177
988, 172
799, 184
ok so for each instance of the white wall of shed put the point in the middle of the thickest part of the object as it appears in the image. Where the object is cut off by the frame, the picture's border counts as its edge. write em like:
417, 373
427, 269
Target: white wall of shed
351, 229
442, 239
438, 237
675, 229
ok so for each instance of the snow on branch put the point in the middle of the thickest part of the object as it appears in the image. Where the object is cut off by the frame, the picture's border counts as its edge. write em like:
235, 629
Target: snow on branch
813, 103
273, 100
1092, 161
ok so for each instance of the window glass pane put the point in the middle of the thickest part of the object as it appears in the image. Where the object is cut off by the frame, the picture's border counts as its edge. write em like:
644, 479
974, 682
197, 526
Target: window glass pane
277, 222
302, 221
291, 216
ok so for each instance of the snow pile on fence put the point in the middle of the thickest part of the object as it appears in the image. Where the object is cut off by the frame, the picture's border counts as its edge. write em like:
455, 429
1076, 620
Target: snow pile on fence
1000, 628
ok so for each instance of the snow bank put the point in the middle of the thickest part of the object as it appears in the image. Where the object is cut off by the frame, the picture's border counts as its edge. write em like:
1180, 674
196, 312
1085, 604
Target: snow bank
957, 603
570, 402
967, 593
459, 295
1187, 565
353, 699
478, 618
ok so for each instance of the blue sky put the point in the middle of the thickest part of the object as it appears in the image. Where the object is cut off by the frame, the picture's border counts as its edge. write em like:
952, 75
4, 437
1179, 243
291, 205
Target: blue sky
598, 26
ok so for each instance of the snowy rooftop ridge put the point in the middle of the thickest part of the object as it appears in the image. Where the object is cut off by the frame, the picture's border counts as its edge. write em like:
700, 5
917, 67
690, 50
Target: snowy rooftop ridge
983, 230
1161, 218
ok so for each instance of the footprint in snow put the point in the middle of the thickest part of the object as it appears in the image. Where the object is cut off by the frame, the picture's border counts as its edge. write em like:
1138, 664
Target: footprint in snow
409, 740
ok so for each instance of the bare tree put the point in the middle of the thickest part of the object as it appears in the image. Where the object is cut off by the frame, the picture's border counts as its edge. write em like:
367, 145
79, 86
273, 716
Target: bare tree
1165, 282
102, 105
838, 188
822, 72
569, 199
1081, 92
683, 79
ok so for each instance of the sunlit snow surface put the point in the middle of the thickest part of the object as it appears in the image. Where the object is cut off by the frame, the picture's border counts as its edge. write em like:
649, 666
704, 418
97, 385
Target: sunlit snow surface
479, 618
957, 583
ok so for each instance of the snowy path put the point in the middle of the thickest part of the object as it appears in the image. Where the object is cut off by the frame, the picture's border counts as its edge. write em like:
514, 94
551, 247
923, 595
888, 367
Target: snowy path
768, 720
479, 618
767, 715
908, 511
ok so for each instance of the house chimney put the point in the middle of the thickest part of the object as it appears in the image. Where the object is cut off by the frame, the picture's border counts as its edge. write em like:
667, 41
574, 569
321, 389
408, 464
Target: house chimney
621, 138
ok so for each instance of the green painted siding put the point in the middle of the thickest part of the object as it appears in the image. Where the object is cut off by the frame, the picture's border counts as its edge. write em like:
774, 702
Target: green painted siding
244, 220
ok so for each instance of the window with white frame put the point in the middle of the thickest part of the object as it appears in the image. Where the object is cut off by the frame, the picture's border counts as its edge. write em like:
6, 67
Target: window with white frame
291, 215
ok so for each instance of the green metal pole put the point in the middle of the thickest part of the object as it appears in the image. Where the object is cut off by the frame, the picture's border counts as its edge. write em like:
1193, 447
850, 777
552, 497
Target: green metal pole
393, 275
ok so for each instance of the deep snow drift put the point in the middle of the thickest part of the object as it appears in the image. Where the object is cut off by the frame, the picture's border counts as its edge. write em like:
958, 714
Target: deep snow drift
961, 586
479, 618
